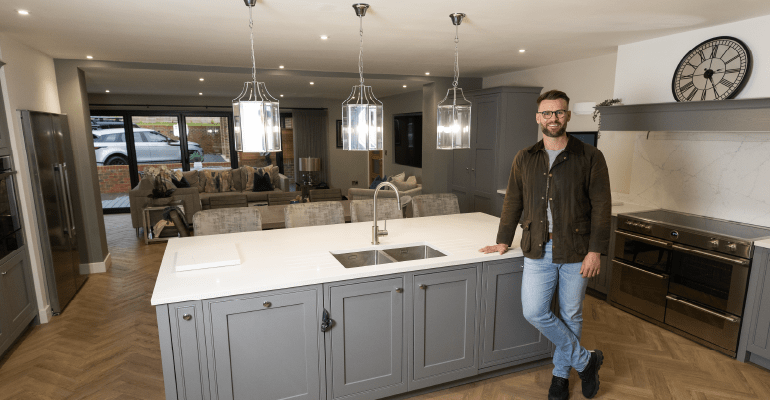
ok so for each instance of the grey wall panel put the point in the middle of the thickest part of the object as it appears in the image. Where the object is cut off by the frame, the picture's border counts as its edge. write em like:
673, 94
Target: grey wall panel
444, 336
367, 338
266, 345
507, 336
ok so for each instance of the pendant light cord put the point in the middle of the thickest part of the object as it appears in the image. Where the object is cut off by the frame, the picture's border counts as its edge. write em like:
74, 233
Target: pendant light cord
361, 50
457, 64
253, 60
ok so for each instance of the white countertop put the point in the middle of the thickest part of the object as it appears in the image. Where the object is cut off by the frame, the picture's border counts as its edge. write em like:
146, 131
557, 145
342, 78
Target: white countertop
763, 243
284, 258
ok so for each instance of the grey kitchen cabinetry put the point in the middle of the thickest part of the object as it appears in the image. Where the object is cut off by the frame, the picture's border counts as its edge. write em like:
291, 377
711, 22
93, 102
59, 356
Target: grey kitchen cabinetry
17, 298
502, 123
507, 338
4, 133
601, 282
366, 351
187, 341
443, 342
754, 343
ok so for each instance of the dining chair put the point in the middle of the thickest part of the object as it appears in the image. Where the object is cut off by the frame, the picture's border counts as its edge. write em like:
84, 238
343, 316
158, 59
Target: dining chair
313, 214
427, 205
363, 210
227, 220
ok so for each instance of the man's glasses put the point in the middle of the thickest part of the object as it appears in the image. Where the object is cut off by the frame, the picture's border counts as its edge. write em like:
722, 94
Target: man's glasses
549, 114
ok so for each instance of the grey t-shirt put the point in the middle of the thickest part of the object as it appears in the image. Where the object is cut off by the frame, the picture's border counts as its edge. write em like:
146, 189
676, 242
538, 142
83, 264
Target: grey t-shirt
551, 158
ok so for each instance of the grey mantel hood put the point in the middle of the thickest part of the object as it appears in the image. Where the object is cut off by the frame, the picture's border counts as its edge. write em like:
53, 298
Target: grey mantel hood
743, 115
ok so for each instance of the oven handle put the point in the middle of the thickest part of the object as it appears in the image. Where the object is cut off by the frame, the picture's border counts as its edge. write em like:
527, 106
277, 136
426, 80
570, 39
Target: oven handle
659, 276
706, 310
732, 260
645, 239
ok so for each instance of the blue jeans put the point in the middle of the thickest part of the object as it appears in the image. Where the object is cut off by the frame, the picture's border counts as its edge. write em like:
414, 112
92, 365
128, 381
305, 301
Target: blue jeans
539, 282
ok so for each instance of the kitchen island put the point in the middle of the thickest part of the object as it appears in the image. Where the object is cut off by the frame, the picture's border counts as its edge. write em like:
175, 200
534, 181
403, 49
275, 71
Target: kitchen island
291, 322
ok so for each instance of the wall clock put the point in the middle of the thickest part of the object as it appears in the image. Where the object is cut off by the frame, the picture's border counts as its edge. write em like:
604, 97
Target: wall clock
716, 69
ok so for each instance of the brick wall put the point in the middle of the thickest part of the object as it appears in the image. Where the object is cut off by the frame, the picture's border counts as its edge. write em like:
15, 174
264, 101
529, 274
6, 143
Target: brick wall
115, 178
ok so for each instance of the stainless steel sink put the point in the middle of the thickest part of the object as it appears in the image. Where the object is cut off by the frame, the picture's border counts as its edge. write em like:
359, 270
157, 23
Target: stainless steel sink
363, 258
413, 253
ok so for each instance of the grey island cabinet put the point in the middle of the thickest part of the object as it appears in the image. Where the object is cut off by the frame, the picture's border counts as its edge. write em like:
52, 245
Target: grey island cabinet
754, 342
395, 329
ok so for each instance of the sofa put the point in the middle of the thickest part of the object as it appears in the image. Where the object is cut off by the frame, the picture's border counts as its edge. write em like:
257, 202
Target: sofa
406, 187
197, 196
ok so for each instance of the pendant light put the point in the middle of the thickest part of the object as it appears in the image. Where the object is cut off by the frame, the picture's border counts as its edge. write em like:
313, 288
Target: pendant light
361, 111
453, 119
256, 119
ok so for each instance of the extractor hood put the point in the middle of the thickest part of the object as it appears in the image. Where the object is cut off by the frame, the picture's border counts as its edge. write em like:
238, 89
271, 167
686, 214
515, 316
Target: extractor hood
743, 115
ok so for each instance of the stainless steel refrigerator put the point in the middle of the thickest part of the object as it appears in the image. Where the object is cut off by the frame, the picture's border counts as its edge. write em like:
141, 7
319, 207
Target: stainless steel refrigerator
46, 136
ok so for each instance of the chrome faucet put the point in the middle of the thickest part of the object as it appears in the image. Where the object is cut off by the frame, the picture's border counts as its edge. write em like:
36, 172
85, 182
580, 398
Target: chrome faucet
376, 232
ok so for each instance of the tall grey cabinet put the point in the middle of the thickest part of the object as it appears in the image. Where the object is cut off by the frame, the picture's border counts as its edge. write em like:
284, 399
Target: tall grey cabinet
502, 123
754, 343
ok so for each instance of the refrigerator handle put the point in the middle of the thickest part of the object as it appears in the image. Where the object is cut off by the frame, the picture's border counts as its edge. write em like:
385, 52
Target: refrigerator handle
60, 168
69, 199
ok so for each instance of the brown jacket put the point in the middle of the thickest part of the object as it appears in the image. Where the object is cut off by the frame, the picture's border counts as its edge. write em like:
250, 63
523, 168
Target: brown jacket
578, 185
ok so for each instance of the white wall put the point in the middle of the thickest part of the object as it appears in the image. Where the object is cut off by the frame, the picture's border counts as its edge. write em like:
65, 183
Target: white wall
29, 83
721, 175
645, 69
587, 80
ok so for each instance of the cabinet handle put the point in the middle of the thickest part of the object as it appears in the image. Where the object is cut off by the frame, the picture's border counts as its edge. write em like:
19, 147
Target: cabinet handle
187, 317
473, 169
399, 290
4, 272
423, 287
326, 322
267, 304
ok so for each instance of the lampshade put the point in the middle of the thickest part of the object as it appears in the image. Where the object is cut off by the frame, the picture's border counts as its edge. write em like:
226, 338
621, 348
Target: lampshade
362, 120
309, 164
453, 114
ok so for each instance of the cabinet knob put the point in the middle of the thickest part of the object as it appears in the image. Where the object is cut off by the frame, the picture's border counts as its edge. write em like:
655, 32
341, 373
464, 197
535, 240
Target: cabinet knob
423, 287
399, 290
267, 304
473, 169
3, 273
187, 317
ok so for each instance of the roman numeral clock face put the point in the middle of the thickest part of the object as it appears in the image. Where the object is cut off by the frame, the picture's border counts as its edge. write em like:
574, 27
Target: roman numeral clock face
714, 70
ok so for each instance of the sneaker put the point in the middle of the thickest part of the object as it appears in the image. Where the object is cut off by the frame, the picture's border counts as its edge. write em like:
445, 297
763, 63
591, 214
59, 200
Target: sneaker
559, 389
590, 375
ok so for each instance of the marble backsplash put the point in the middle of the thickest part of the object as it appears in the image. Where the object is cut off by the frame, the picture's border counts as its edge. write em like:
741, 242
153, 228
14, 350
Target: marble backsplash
720, 175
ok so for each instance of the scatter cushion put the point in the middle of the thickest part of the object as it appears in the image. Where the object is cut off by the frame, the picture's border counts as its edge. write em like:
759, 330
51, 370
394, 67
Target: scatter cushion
211, 182
237, 179
404, 185
412, 180
376, 182
180, 183
247, 176
193, 179
398, 178
226, 181
262, 182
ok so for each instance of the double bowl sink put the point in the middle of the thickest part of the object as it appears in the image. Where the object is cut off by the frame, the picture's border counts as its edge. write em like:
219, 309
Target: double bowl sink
363, 258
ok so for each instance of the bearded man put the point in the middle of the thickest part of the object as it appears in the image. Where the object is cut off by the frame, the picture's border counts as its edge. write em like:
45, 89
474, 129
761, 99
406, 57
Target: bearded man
559, 190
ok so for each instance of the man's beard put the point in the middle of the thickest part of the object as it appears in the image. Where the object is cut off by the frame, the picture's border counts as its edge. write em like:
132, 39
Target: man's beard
560, 132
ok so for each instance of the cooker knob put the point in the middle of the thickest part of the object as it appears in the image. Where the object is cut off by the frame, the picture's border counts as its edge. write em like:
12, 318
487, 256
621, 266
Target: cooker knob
714, 243
674, 234
732, 247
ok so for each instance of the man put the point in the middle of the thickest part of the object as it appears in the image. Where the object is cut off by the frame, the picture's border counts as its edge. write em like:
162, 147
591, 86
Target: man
559, 189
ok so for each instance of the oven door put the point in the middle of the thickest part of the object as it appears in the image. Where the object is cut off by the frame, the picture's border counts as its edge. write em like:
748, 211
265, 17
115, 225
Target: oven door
646, 252
711, 326
10, 224
709, 278
639, 290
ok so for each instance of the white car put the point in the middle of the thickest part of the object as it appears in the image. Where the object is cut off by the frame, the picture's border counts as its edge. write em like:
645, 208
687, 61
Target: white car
151, 146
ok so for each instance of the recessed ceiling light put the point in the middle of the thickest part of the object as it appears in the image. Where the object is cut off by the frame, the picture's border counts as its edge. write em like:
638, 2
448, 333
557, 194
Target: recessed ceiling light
427, 73
200, 79
312, 83
324, 37
107, 91
90, 57
404, 85
281, 95
280, 66
200, 94
23, 12
521, 51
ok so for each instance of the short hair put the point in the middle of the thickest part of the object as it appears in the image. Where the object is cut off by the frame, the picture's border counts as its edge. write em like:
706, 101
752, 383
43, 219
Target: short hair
553, 95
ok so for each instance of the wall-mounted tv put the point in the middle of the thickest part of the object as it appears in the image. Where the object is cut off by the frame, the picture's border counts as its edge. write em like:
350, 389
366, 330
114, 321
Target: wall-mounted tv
586, 137
407, 139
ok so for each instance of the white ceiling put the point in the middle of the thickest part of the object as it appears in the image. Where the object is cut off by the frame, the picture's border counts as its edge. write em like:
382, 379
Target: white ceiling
401, 37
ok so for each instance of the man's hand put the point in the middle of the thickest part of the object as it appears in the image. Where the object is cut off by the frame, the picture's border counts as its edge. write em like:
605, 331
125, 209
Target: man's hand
591, 265
502, 248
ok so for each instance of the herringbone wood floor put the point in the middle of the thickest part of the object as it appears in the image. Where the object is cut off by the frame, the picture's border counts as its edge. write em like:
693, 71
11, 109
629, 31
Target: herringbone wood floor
105, 346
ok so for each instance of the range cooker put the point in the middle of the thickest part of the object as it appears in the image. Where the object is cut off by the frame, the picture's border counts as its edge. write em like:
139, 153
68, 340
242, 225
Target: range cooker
684, 272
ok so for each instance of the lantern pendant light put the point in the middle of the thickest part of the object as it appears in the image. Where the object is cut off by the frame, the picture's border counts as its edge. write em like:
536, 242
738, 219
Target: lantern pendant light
453, 118
256, 119
361, 111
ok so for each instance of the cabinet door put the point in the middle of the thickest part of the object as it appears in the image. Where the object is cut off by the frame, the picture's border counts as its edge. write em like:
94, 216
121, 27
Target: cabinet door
264, 346
366, 342
483, 149
189, 344
444, 337
506, 335
759, 329
17, 306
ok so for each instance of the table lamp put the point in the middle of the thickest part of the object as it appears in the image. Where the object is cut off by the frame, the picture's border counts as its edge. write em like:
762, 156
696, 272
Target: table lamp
308, 165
